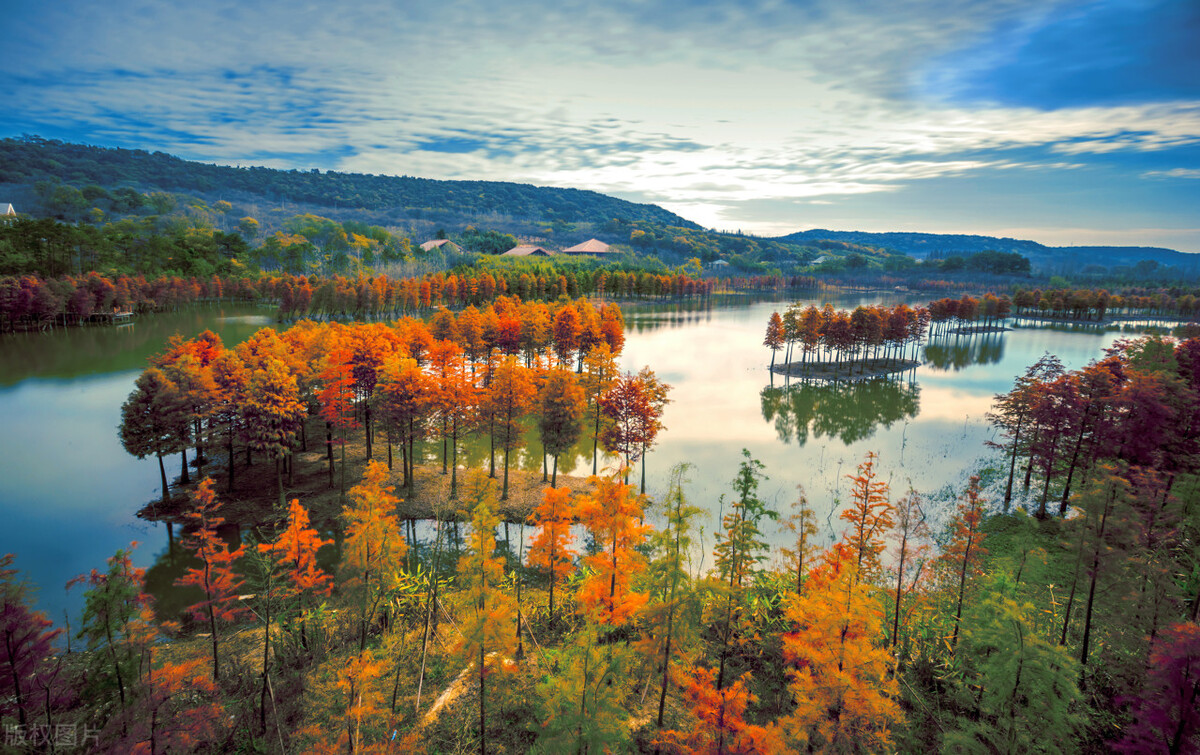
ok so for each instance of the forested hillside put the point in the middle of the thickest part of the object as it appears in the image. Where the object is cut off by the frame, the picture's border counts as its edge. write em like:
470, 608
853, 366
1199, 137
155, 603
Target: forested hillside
32, 159
1053, 259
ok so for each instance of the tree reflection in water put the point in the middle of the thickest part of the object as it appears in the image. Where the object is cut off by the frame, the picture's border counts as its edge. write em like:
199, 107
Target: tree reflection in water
848, 410
954, 351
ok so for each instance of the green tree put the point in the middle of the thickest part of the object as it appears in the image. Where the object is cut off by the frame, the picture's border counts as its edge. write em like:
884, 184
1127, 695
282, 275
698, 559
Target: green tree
673, 612
1023, 687
739, 548
152, 420
113, 607
560, 417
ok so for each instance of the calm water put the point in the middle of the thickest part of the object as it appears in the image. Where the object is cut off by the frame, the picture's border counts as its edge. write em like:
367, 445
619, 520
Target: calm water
68, 491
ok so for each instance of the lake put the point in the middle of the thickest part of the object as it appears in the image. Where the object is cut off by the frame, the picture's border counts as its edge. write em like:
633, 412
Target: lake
68, 490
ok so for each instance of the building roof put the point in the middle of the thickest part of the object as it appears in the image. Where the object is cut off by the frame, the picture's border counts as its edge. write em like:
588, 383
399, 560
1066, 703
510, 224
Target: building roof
526, 250
591, 246
7, 209
435, 243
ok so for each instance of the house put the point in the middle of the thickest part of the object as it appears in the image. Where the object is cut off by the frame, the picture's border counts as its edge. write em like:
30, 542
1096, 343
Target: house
525, 250
7, 213
719, 264
446, 245
593, 247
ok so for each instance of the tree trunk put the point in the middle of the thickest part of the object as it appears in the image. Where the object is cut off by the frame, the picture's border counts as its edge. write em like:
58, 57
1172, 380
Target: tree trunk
504, 495
482, 697
899, 585
454, 465
1012, 464
162, 471
1087, 620
1074, 582
279, 478
231, 464
329, 450
595, 439
262, 697
962, 588
370, 435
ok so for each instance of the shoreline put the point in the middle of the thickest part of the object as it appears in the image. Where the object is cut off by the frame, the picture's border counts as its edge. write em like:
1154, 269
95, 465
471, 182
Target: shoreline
848, 371
254, 498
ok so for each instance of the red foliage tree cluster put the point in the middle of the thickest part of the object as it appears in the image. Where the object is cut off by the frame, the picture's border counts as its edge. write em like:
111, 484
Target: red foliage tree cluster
968, 310
474, 372
32, 301
1137, 406
834, 335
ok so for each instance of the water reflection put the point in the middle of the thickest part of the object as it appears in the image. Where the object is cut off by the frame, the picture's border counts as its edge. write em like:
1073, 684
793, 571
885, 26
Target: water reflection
954, 351
70, 353
847, 410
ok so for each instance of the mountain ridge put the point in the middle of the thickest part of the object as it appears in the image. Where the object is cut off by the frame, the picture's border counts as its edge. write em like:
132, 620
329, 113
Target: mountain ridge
925, 245
30, 158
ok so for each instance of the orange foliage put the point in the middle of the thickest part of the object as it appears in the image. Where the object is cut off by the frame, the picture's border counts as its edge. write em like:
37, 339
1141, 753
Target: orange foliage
721, 719
611, 512
215, 575
177, 711
296, 550
551, 547
845, 695
870, 518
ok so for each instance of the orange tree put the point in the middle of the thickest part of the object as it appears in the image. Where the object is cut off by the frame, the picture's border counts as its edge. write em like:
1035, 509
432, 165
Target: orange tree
508, 398
845, 694
610, 511
215, 576
551, 546
337, 406
489, 610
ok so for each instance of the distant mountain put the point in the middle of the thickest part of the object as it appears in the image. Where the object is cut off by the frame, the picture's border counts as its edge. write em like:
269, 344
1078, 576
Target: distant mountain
1046, 258
30, 159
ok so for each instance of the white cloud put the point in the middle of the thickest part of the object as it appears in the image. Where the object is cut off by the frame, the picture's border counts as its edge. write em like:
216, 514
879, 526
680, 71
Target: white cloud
1173, 173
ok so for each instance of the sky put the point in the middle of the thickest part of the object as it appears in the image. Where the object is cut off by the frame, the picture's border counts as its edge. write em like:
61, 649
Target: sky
1062, 121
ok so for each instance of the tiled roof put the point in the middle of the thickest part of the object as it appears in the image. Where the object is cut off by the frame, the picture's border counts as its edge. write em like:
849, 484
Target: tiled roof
525, 250
591, 246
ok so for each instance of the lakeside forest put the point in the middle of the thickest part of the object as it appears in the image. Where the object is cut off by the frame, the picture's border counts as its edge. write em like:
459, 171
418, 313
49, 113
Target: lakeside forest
342, 591
329, 624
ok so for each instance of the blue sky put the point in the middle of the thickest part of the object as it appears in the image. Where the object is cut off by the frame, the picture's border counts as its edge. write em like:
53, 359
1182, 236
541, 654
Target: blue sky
1066, 122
